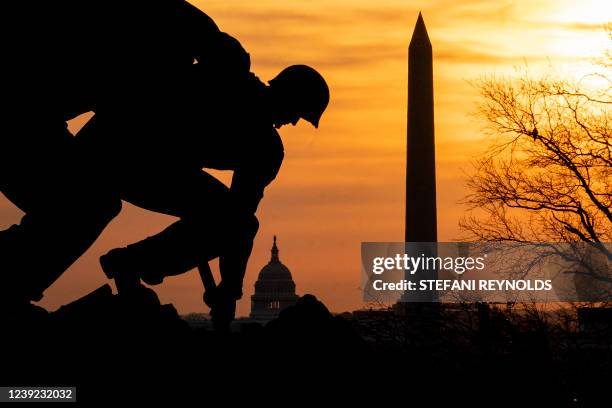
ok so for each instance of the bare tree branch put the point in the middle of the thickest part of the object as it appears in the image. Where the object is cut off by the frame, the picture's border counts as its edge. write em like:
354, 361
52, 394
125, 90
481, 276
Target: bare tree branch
547, 175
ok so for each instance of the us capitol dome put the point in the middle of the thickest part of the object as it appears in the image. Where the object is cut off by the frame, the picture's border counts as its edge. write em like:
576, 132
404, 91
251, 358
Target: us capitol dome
274, 289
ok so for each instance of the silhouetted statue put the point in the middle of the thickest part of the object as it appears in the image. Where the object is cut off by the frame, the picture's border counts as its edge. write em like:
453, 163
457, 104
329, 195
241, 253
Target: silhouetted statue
153, 152
69, 57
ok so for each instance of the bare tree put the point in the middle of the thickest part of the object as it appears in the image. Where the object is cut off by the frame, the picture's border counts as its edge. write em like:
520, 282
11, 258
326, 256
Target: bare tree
547, 175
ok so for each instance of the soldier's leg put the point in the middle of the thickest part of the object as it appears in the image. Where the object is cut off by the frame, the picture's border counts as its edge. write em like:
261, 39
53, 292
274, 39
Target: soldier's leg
209, 223
65, 206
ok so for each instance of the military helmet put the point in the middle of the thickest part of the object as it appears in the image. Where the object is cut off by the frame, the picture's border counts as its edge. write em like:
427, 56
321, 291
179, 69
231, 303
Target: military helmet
308, 89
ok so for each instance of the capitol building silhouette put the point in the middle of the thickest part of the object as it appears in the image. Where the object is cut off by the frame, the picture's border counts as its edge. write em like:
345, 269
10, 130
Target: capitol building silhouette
274, 289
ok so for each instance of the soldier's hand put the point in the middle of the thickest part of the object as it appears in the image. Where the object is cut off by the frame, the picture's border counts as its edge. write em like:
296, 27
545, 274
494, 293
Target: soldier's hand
222, 309
209, 297
222, 306
223, 312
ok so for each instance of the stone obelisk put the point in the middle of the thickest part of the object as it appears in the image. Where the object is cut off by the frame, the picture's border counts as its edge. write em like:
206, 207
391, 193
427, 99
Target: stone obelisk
421, 221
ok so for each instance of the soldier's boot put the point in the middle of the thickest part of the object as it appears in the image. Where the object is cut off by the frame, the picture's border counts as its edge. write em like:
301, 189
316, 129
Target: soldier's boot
120, 264
125, 279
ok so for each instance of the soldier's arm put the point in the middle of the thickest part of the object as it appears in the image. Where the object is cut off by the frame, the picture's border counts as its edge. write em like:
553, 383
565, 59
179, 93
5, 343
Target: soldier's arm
250, 180
246, 193
247, 190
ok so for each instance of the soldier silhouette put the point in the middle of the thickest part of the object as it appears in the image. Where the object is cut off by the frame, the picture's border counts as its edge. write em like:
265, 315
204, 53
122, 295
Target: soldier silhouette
71, 57
153, 155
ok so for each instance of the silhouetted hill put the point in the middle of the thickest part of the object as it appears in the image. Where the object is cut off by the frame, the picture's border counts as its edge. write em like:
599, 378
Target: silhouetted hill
107, 337
110, 346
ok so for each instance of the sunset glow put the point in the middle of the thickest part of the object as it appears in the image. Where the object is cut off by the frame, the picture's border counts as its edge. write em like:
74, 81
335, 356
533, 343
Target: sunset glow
344, 182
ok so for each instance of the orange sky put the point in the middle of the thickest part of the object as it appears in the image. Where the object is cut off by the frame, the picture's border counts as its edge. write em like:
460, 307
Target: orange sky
344, 183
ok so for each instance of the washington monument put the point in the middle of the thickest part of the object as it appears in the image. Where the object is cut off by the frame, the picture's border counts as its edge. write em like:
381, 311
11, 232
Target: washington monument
421, 222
